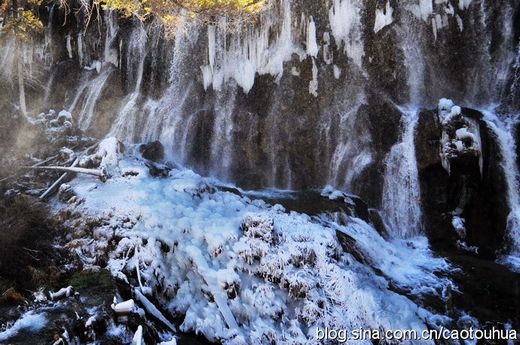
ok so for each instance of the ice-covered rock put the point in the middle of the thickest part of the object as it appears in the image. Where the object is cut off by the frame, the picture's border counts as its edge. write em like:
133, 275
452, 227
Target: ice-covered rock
124, 307
64, 116
458, 226
460, 135
241, 270
65, 192
153, 151
461, 178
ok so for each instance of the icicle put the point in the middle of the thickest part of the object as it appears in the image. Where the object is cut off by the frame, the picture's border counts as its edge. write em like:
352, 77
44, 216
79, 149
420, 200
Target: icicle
312, 46
383, 17
152, 310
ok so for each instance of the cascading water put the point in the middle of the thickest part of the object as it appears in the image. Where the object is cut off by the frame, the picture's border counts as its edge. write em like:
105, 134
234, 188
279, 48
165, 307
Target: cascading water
306, 50
308, 94
93, 91
170, 122
222, 145
126, 120
291, 90
503, 129
401, 191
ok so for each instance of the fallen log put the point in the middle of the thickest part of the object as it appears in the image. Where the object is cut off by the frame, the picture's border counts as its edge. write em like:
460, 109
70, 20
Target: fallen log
54, 187
67, 171
47, 160
94, 172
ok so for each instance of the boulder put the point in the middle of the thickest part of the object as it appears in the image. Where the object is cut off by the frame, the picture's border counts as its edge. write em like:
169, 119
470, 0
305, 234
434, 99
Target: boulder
379, 224
349, 245
153, 151
461, 178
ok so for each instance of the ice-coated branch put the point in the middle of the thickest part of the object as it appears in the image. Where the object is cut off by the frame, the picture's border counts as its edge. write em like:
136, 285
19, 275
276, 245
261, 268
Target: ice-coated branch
94, 172
63, 292
54, 187
153, 310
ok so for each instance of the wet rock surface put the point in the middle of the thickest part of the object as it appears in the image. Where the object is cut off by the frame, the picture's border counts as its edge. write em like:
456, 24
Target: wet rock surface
239, 133
469, 184
328, 118
153, 151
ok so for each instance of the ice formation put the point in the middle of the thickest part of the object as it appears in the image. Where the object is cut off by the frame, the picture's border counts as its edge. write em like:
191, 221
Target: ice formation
460, 135
239, 269
439, 12
383, 17
345, 22
30, 321
312, 46
63, 292
251, 52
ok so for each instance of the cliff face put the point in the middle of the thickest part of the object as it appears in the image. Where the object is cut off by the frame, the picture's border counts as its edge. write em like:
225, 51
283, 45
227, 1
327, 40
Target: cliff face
312, 93
339, 96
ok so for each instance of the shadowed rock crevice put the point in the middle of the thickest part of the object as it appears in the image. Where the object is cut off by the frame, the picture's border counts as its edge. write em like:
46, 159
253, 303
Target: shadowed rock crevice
473, 189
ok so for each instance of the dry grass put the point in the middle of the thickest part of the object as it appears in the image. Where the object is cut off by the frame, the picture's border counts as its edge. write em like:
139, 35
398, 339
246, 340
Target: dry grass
25, 237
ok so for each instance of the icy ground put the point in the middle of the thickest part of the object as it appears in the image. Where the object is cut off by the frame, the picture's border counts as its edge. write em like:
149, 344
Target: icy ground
240, 270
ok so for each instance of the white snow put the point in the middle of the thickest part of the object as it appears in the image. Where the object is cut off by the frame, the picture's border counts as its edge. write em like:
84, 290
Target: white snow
463, 133
123, 307
63, 292
65, 115
138, 336
458, 224
467, 138
445, 105
239, 269
39, 295
29, 321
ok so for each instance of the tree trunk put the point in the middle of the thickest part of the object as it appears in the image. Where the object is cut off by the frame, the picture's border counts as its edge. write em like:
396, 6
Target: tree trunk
19, 60
21, 86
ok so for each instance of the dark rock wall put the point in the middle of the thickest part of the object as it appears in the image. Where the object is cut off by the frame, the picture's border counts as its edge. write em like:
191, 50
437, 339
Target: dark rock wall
479, 197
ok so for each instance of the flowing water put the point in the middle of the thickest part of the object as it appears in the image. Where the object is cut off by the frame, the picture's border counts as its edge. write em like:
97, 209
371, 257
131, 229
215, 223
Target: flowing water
504, 130
401, 191
310, 94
